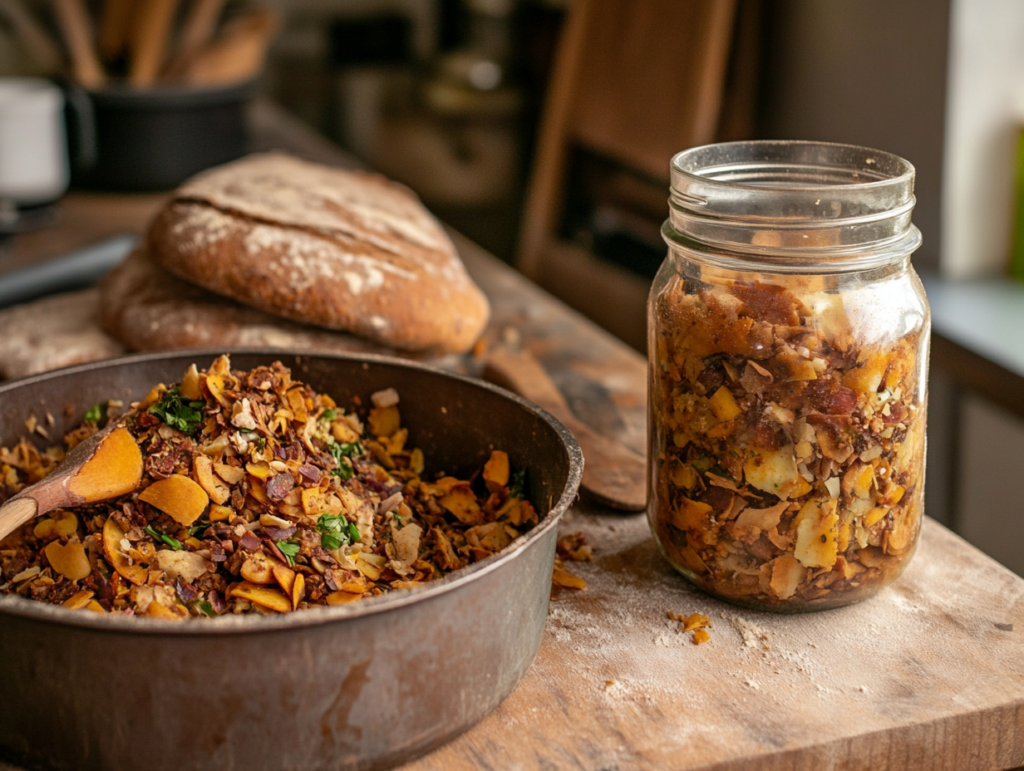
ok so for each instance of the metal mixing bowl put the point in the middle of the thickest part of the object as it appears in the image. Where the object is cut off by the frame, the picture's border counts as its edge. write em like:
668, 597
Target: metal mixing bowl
364, 685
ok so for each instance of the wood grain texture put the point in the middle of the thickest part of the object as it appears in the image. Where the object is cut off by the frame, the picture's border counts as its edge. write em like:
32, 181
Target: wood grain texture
929, 674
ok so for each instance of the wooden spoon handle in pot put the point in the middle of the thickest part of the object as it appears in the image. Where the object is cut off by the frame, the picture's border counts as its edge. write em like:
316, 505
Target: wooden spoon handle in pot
104, 466
73, 20
613, 474
153, 22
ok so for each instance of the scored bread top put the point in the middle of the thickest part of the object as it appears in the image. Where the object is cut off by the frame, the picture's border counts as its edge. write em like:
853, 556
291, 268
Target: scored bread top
341, 249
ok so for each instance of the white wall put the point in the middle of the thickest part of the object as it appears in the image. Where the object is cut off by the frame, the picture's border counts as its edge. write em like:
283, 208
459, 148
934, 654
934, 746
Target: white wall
984, 113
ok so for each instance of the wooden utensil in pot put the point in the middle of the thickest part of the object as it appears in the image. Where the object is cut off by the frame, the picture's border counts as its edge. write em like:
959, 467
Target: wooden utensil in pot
613, 474
73, 20
153, 22
237, 54
116, 24
104, 466
196, 33
30, 33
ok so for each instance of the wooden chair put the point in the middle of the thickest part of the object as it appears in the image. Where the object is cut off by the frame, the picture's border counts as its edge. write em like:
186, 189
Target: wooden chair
634, 81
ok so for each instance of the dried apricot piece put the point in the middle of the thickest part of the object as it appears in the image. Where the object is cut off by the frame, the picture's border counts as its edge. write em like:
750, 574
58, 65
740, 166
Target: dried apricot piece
179, 497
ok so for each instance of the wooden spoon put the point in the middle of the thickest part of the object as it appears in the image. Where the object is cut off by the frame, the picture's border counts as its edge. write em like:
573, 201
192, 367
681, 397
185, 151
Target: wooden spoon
150, 40
74, 24
612, 473
104, 466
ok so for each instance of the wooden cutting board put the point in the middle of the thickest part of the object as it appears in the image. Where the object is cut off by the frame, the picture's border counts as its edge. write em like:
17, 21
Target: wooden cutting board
929, 674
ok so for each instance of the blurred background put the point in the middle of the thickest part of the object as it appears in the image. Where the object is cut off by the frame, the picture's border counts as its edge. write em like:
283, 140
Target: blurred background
543, 130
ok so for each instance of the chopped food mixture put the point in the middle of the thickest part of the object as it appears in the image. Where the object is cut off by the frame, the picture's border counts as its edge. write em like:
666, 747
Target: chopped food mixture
697, 623
258, 495
787, 454
572, 547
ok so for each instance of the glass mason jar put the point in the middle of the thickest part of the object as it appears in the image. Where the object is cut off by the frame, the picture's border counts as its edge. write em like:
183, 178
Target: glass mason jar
788, 346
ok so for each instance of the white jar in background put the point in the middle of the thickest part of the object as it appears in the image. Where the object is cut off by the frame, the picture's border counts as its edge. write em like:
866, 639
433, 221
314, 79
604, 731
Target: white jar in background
33, 147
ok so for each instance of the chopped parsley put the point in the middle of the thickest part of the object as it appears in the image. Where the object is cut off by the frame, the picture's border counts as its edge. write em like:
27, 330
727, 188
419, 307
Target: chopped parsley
328, 415
206, 608
343, 453
289, 550
174, 543
336, 531
179, 413
517, 485
261, 443
197, 528
95, 413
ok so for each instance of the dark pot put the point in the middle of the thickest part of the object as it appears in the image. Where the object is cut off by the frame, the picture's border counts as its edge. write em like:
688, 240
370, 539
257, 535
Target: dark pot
143, 140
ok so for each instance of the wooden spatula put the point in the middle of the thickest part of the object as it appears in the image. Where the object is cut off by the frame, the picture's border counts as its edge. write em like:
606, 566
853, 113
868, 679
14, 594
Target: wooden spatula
612, 473
104, 466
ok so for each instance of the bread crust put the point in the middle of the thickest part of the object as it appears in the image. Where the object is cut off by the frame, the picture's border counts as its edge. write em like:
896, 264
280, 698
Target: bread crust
55, 331
145, 308
338, 249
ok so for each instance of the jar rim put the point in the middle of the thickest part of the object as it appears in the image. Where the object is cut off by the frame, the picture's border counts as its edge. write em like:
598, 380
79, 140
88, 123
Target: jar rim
832, 161
792, 198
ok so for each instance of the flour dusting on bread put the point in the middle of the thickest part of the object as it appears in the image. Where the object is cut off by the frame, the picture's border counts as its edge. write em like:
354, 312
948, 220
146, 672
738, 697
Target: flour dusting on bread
344, 250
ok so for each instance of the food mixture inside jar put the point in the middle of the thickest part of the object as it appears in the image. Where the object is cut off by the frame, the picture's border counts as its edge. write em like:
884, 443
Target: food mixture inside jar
258, 495
787, 462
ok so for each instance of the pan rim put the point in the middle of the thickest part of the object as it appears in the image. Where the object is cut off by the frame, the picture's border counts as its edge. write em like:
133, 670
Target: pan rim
60, 616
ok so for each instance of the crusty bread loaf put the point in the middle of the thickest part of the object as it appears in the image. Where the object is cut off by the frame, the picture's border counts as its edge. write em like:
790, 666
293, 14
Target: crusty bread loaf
147, 309
339, 249
56, 331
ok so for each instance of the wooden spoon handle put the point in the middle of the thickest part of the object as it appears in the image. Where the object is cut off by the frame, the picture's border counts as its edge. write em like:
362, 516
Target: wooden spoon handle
612, 473
36, 39
149, 44
196, 33
115, 27
15, 513
74, 24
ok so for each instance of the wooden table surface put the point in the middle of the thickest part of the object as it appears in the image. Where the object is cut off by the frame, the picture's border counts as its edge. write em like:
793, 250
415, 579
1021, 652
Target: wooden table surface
927, 675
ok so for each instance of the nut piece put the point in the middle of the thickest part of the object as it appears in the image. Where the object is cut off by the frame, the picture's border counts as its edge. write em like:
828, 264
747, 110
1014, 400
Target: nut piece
214, 487
258, 569
178, 497
189, 387
113, 535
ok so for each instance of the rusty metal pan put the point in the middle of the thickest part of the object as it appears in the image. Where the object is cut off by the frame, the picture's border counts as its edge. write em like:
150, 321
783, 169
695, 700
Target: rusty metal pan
365, 685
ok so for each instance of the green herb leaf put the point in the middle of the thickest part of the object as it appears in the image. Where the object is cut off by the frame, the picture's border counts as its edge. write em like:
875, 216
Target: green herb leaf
517, 485
289, 550
206, 608
344, 469
95, 413
343, 452
186, 416
336, 531
197, 528
328, 415
174, 543
261, 443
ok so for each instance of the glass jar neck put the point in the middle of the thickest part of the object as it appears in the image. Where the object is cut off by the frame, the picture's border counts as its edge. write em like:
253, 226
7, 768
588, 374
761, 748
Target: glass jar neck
793, 206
